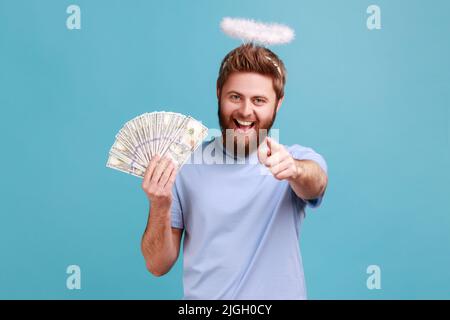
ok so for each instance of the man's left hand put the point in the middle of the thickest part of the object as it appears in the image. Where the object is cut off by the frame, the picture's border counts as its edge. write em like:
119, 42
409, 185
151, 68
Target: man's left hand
278, 160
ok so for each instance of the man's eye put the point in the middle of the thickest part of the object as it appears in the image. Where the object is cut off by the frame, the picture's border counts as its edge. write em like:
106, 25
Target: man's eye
234, 97
259, 101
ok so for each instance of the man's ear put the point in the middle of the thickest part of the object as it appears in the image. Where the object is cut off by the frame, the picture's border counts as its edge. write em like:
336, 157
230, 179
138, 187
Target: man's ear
280, 102
217, 92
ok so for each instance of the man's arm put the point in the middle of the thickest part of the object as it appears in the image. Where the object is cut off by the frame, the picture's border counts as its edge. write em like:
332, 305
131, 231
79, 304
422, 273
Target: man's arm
310, 181
160, 243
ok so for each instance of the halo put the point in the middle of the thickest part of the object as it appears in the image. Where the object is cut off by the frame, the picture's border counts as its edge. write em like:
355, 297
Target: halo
249, 30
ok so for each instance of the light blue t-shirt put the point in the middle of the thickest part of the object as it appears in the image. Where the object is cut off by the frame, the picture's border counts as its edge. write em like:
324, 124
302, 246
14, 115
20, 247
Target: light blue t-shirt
241, 226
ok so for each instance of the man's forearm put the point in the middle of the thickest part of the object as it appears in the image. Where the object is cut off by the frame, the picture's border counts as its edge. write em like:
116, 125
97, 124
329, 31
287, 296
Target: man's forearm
310, 182
157, 243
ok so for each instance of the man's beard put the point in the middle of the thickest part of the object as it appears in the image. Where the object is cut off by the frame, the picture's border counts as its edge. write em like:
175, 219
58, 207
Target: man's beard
261, 127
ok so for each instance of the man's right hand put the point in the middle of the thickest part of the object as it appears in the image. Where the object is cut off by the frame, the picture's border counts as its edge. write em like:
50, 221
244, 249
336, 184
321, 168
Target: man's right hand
158, 181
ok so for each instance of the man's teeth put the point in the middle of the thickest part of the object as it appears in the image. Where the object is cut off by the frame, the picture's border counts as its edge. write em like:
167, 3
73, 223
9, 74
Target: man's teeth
244, 123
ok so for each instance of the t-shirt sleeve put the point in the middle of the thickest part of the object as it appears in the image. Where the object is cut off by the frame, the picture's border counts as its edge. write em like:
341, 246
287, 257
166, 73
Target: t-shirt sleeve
176, 209
299, 152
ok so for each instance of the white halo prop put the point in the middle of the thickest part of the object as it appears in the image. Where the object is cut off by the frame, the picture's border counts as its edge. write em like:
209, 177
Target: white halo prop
251, 31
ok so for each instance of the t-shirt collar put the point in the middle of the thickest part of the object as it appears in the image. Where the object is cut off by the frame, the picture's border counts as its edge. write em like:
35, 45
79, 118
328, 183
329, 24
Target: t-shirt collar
251, 158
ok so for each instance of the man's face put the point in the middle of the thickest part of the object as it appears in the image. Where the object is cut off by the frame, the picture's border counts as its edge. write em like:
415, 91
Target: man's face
247, 104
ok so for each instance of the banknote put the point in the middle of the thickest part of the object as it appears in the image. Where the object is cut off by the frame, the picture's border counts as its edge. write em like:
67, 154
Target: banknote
164, 133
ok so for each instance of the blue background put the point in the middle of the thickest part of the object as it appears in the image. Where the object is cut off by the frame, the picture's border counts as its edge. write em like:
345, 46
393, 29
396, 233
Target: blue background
374, 103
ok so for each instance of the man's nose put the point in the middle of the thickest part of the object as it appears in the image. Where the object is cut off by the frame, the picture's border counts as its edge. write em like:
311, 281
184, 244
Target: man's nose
246, 109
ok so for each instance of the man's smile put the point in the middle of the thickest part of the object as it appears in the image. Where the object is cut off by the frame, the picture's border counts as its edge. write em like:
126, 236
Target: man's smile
243, 126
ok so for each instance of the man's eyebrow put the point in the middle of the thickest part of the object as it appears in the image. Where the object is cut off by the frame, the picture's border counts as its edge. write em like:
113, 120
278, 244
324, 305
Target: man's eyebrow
256, 96
260, 96
234, 91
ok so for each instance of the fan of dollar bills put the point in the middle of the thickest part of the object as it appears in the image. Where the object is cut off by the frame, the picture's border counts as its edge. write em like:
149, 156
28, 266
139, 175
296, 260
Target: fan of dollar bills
164, 133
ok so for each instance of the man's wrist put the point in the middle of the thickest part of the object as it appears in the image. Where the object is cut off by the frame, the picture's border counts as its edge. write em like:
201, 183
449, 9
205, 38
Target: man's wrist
162, 207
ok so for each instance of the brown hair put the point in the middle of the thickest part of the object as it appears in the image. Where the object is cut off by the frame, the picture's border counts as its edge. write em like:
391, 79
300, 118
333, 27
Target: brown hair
253, 58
